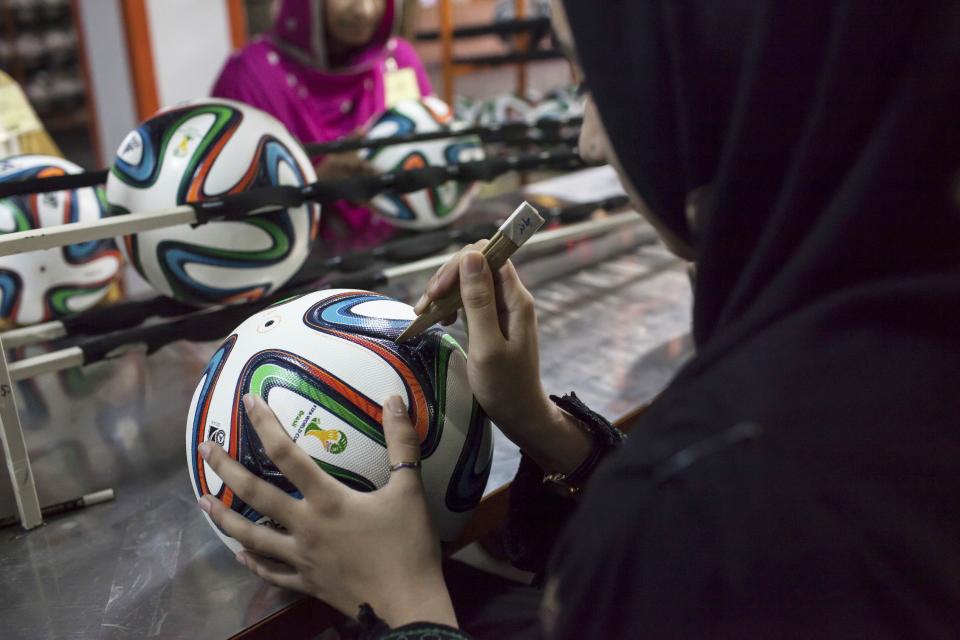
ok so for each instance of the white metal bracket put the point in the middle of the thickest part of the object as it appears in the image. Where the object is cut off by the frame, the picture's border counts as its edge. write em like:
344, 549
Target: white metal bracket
15, 450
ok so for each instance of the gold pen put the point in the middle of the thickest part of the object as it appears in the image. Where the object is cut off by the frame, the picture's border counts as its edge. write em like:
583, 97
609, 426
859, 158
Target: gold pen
511, 235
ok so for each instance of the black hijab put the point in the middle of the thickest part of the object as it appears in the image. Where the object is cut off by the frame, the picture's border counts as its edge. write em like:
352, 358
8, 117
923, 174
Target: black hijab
802, 475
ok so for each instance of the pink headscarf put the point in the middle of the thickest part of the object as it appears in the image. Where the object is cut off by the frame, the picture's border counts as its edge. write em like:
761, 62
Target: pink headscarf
286, 73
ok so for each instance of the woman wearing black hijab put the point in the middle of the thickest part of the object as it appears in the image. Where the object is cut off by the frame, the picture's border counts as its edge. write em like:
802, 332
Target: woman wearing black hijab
801, 476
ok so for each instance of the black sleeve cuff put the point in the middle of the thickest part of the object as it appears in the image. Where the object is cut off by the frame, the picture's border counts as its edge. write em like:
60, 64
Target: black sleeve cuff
538, 512
370, 627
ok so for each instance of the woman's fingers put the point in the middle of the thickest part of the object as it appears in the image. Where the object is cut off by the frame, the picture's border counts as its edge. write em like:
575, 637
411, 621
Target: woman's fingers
364, 168
516, 299
348, 164
261, 495
403, 445
480, 305
511, 296
262, 539
296, 465
513, 292
278, 573
445, 280
446, 277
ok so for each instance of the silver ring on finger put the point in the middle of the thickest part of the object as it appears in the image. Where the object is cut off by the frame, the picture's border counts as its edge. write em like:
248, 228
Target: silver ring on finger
404, 465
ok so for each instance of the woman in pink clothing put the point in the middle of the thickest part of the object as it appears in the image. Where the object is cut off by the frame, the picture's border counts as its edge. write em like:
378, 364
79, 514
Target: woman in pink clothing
322, 70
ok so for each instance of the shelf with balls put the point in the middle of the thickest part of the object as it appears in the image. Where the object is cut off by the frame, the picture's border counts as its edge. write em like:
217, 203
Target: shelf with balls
240, 249
492, 124
178, 156
109, 332
362, 268
215, 323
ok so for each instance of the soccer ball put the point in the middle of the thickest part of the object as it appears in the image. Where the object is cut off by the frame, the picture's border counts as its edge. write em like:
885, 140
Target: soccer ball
41, 285
562, 103
555, 109
325, 363
503, 109
199, 151
427, 208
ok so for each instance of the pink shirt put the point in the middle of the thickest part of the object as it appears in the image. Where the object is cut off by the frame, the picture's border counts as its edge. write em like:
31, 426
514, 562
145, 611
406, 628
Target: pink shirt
284, 73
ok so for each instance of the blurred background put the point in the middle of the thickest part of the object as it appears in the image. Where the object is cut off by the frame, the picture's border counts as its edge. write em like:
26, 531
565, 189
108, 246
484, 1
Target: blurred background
93, 69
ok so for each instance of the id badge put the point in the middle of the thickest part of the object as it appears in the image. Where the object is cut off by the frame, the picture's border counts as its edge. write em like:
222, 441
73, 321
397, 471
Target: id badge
400, 85
16, 115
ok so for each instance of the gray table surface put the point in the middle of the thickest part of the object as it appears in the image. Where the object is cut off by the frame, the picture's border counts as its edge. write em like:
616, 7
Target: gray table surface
614, 314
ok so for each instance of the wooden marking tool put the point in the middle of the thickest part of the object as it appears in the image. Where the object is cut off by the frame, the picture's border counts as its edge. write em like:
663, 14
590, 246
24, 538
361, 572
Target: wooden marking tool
511, 235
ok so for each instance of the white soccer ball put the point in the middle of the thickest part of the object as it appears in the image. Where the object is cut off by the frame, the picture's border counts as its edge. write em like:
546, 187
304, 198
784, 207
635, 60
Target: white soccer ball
199, 151
503, 109
557, 108
427, 208
325, 363
41, 285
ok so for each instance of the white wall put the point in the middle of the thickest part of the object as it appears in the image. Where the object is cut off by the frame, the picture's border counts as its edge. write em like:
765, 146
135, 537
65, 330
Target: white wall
107, 60
190, 41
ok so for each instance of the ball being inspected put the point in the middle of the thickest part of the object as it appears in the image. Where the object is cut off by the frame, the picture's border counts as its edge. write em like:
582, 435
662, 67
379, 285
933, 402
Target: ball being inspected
200, 151
427, 208
325, 363
38, 286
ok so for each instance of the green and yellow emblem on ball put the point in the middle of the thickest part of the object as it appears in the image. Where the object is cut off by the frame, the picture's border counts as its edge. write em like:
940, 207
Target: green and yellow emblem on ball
333, 441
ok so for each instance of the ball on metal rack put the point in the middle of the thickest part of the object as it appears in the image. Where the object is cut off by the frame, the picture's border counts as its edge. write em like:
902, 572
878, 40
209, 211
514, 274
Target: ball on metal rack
428, 208
204, 150
502, 109
41, 285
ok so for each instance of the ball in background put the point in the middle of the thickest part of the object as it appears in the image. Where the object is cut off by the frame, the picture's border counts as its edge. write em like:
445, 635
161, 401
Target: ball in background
325, 363
42, 285
502, 109
200, 151
560, 104
428, 208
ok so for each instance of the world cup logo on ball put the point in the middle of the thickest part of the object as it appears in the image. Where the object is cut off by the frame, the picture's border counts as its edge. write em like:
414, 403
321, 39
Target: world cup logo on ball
333, 441
325, 363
